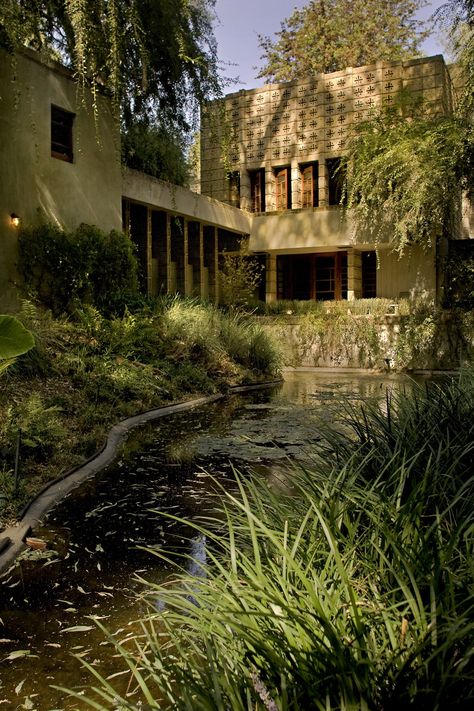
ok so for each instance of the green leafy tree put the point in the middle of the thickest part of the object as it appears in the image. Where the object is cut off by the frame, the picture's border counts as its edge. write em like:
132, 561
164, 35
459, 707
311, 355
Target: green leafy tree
407, 167
458, 17
327, 35
404, 177
157, 57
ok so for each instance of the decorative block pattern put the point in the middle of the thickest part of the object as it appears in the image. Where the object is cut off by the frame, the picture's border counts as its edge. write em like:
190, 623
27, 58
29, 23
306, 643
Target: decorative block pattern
299, 122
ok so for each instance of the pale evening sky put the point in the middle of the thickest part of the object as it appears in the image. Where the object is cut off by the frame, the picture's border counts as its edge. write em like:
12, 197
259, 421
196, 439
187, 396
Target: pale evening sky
239, 22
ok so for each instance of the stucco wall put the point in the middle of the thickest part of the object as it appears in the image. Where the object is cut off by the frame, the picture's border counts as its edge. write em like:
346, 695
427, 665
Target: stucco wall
36, 186
300, 230
414, 274
175, 199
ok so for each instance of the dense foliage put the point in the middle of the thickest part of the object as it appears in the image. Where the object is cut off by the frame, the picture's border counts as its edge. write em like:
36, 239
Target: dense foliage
458, 17
65, 269
405, 169
327, 35
88, 371
354, 591
157, 57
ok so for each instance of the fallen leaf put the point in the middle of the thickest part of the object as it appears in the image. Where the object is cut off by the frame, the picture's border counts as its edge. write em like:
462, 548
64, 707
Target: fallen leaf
78, 628
17, 654
18, 687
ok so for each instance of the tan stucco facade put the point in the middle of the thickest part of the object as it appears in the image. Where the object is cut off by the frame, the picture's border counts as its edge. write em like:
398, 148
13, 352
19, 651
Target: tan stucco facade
36, 186
272, 134
181, 201
180, 235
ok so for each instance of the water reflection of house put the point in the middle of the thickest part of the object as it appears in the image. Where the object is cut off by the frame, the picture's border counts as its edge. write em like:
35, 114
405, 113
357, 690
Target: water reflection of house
279, 186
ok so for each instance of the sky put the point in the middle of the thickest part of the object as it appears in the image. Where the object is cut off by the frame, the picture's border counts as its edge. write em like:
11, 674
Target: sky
239, 22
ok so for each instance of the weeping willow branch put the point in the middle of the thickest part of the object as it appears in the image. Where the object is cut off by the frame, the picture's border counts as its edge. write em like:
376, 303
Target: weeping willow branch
405, 176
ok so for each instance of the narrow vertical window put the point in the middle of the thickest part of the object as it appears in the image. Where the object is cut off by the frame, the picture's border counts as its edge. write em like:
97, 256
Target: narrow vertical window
282, 189
309, 185
234, 188
61, 134
257, 190
336, 177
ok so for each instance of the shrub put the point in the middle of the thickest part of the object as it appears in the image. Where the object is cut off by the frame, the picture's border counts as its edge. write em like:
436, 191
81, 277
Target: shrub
63, 268
239, 277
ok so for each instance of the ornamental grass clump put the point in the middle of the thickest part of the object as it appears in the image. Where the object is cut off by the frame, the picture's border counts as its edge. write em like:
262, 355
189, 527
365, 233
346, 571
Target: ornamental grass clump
354, 592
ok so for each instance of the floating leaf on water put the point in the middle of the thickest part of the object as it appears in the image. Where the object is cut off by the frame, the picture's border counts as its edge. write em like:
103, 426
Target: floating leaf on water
70, 609
18, 654
52, 644
81, 590
78, 628
19, 686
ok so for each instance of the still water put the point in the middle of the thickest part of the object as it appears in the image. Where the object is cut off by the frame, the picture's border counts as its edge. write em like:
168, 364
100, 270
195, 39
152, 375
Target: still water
101, 537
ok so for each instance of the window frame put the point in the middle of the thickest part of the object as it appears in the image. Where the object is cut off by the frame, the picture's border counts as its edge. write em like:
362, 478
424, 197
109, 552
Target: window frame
311, 169
257, 190
282, 197
62, 120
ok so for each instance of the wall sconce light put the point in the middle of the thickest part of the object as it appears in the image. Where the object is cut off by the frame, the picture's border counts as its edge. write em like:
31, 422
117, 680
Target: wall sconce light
14, 220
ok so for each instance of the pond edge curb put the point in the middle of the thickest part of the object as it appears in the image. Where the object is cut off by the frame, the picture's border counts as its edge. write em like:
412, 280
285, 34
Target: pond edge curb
12, 540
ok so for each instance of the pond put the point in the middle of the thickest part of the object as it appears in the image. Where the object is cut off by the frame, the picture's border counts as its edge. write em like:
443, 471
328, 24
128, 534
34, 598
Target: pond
101, 537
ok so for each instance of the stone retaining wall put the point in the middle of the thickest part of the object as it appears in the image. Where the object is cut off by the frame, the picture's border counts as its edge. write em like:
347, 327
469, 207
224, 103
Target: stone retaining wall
438, 341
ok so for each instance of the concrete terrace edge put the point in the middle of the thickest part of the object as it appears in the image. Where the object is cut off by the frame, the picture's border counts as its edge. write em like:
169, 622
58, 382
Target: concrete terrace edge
12, 540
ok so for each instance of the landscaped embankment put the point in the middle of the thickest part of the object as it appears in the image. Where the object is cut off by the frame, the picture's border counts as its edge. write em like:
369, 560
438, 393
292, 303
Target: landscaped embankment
88, 372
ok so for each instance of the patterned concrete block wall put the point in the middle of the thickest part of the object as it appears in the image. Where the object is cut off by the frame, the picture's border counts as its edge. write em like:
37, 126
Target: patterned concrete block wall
288, 125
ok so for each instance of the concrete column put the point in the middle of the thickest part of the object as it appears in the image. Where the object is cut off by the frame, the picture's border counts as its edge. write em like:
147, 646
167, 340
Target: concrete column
203, 288
216, 265
271, 278
323, 189
295, 184
270, 204
188, 271
170, 286
245, 200
354, 275
149, 262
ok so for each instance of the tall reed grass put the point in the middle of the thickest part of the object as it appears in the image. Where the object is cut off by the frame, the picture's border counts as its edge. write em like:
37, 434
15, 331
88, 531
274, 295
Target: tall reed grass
354, 592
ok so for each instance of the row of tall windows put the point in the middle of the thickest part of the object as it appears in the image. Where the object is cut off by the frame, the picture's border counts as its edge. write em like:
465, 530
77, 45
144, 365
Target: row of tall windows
309, 173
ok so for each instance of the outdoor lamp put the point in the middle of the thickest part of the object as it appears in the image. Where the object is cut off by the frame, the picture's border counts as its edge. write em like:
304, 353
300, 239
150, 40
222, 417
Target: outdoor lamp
14, 220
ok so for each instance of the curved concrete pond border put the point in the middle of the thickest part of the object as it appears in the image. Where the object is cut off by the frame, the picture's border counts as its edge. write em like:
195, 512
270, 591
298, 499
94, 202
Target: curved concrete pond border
12, 539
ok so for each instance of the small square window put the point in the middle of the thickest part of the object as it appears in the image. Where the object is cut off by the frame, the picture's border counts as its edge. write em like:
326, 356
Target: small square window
61, 134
